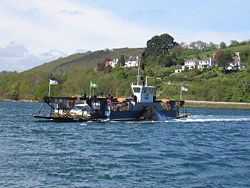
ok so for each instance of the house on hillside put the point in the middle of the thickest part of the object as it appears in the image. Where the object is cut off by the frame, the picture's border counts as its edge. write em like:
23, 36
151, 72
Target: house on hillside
236, 64
197, 64
113, 63
132, 62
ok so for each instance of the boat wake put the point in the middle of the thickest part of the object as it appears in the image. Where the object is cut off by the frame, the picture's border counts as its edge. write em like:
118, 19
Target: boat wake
209, 118
193, 119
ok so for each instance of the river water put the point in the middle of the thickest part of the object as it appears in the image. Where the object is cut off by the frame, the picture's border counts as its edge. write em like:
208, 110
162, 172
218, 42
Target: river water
209, 149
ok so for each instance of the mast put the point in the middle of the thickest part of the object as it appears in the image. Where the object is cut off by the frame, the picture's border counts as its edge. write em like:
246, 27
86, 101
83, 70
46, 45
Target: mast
49, 90
181, 92
146, 80
138, 73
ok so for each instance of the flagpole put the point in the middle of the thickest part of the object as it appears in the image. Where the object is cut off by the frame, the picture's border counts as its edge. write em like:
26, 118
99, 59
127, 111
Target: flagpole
181, 92
138, 74
49, 88
90, 89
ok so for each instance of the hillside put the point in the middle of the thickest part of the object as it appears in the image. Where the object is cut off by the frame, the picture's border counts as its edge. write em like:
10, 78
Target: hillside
75, 72
85, 60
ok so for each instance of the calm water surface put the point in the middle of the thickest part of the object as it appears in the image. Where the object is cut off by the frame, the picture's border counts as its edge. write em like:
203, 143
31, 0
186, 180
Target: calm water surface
209, 149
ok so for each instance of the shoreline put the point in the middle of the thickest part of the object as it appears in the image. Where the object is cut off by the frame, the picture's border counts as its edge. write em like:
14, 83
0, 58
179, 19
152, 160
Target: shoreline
217, 105
188, 104
7, 100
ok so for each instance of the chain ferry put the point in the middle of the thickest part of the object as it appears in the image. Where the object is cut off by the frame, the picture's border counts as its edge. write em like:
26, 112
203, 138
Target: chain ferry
143, 105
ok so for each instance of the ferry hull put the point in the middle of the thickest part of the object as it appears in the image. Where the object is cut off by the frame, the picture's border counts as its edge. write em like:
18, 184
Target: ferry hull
124, 116
105, 109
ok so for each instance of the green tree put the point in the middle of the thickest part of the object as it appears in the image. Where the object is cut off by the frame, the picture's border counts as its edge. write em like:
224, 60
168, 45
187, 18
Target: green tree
121, 61
223, 60
212, 46
160, 44
41, 91
176, 53
193, 45
223, 45
248, 64
234, 43
201, 45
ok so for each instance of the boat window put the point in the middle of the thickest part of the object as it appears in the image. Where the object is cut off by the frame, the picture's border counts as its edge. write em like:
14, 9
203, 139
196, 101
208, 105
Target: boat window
148, 90
144, 90
151, 90
137, 89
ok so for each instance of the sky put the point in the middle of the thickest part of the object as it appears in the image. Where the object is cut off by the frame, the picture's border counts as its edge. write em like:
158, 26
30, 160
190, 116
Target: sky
33, 32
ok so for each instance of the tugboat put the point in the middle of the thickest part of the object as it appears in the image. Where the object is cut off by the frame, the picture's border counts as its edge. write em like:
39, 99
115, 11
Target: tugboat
142, 106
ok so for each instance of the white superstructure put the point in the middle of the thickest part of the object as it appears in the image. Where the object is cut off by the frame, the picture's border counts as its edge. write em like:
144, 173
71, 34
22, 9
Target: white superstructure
144, 93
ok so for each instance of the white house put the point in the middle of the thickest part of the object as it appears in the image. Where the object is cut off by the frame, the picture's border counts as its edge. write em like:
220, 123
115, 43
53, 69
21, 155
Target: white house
113, 63
196, 64
132, 62
178, 70
236, 63
199, 63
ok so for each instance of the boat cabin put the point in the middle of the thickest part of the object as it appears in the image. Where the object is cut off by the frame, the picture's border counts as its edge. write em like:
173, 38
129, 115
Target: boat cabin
143, 93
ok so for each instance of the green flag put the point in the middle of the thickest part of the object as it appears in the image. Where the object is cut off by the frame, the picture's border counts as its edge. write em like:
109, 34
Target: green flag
93, 85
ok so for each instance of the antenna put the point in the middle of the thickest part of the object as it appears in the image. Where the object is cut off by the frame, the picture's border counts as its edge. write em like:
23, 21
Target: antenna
146, 80
138, 74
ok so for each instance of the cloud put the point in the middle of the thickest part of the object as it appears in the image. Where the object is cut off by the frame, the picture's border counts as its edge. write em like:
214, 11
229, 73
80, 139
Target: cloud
13, 50
80, 51
53, 53
62, 25
67, 25
15, 57
72, 12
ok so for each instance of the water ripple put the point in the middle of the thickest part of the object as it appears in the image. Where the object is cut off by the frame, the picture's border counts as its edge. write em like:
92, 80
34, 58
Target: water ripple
209, 149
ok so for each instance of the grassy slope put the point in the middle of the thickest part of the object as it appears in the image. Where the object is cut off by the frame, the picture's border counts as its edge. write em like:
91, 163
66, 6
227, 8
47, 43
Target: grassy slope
73, 73
190, 53
85, 60
198, 104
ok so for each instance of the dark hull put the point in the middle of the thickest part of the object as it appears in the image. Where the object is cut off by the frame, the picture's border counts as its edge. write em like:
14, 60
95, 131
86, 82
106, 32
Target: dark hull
117, 116
124, 116
143, 113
